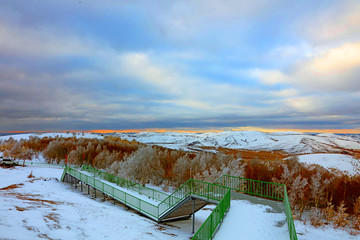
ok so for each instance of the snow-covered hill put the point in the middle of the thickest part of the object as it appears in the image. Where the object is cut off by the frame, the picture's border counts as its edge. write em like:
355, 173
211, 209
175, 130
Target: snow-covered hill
291, 142
52, 134
340, 162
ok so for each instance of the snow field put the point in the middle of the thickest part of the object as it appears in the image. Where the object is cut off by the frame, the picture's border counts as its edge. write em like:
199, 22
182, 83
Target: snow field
43, 207
250, 221
308, 232
341, 162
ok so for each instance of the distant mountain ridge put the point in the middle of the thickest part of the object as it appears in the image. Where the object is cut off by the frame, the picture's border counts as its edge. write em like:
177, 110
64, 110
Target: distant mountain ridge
290, 142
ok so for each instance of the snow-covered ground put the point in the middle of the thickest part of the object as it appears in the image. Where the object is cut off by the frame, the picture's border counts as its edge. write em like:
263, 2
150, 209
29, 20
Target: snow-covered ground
341, 162
291, 142
42, 207
308, 232
252, 222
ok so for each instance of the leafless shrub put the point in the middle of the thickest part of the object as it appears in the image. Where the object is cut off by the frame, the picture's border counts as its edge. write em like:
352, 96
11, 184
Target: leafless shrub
316, 217
340, 217
329, 212
142, 165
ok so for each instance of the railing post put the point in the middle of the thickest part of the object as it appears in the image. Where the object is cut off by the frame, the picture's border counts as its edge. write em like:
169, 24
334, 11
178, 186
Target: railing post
208, 191
211, 223
193, 223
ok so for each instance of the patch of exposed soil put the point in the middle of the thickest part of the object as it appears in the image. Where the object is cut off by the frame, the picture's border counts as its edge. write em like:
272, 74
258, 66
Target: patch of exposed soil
12, 186
34, 229
170, 225
21, 209
5, 166
43, 179
160, 228
45, 236
170, 234
52, 220
208, 209
34, 198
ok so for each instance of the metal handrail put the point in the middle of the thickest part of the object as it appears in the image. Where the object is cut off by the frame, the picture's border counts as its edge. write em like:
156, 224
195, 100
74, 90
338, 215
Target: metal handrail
219, 191
276, 191
116, 193
152, 193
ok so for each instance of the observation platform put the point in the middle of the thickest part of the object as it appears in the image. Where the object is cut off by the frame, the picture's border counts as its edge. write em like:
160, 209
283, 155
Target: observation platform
186, 200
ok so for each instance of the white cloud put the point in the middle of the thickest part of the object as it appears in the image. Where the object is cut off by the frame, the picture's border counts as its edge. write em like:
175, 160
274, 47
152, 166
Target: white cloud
337, 60
285, 93
338, 23
303, 104
336, 69
161, 78
269, 77
189, 96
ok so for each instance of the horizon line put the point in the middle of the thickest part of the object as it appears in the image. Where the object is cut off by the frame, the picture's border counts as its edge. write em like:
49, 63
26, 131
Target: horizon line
197, 130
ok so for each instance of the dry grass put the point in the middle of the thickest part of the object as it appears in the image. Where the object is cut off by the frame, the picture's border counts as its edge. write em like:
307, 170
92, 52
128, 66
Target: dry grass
24, 197
52, 220
34, 198
12, 186
20, 209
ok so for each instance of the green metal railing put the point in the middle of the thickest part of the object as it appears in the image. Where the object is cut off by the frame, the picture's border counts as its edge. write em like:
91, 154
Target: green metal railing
191, 187
122, 196
253, 187
219, 191
269, 190
208, 228
209, 191
149, 192
289, 216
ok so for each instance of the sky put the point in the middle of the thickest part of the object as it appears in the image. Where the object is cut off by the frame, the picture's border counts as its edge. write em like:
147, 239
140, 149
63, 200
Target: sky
114, 64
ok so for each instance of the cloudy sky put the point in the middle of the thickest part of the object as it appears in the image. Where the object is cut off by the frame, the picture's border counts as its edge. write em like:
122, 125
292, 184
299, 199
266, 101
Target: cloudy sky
114, 64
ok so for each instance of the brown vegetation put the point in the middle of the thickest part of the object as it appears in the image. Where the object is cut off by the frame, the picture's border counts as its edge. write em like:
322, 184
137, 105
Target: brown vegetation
12, 186
247, 154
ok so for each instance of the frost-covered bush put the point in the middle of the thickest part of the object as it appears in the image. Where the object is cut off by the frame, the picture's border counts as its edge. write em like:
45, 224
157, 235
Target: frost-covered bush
206, 167
142, 165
